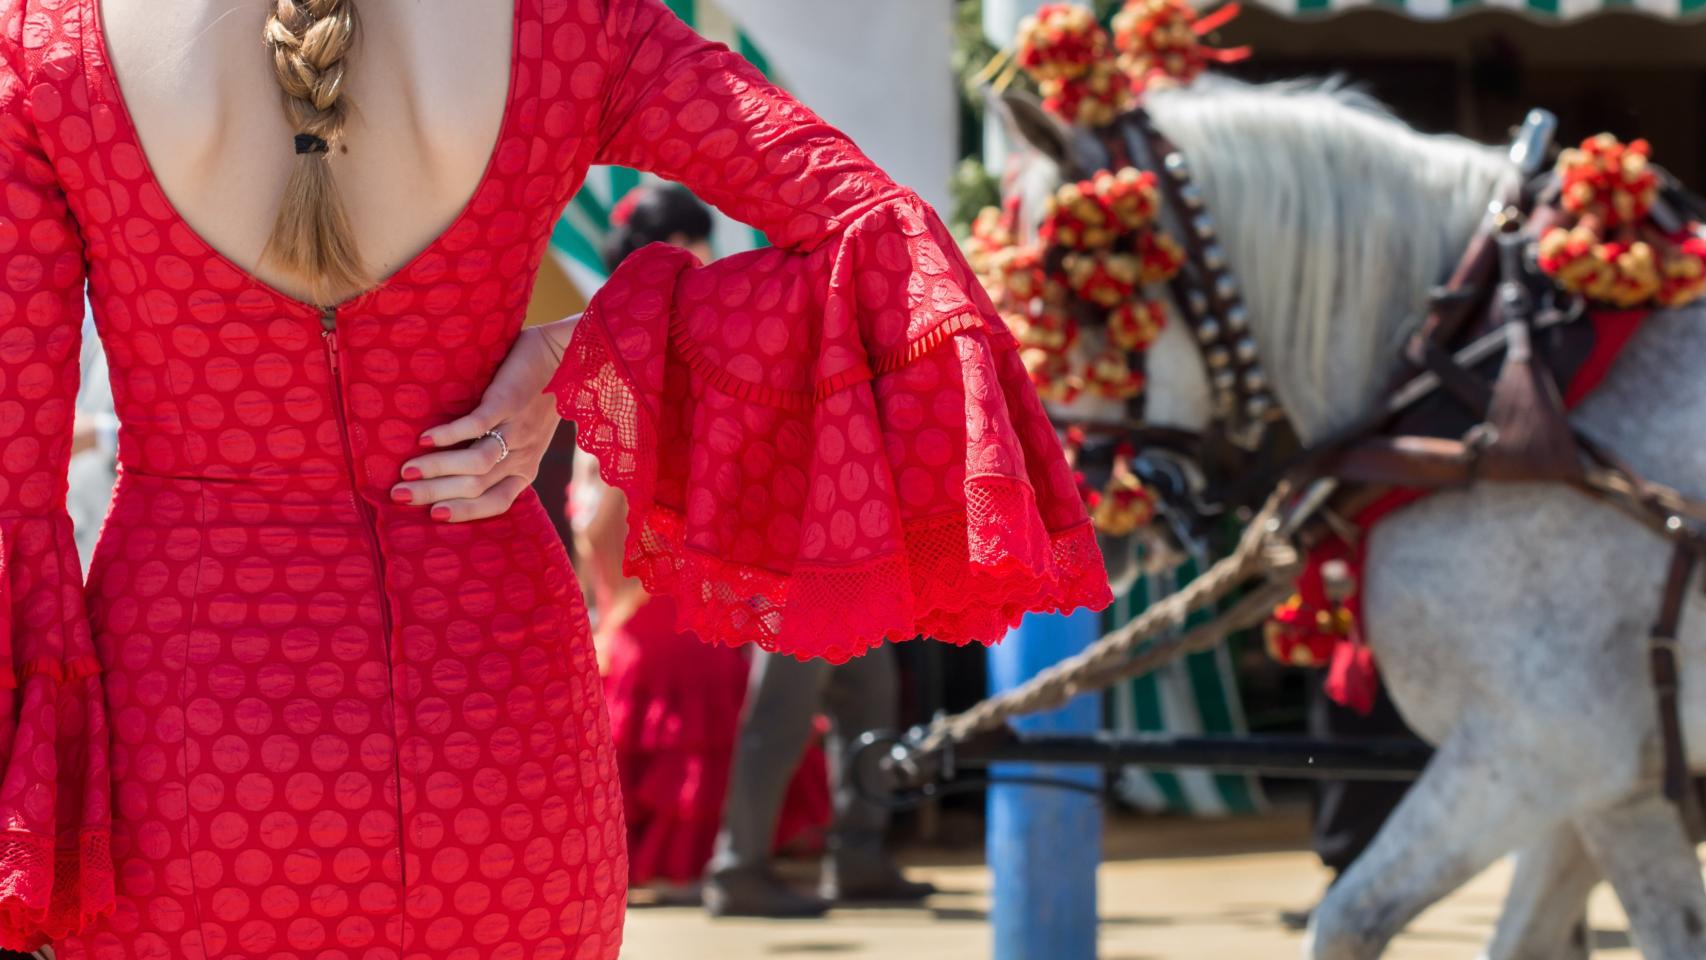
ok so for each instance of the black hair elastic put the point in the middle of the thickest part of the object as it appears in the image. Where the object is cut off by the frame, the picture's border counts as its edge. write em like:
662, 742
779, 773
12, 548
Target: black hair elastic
308, 143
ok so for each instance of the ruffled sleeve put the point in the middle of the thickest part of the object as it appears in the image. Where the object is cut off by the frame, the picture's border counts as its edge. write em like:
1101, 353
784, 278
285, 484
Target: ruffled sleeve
830, 443
55, 795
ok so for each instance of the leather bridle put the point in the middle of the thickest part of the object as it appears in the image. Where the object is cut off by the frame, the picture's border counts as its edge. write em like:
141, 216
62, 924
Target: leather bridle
1199, 475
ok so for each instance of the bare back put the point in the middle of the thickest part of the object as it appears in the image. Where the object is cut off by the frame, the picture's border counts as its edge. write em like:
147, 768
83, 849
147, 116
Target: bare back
428, 78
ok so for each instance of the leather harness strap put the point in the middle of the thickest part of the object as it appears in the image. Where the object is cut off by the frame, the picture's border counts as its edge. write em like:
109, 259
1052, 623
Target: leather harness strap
1662, 662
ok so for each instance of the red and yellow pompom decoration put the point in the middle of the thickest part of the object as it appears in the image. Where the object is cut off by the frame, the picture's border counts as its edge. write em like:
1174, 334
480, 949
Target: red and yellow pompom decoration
1103, 277
1089, 78
1078, 217
1613, 253
1071, 58
1109, 374
1090, 218
1061, 42
1122, 507
1161, 256
1096, 100
991, 232
1130, 196
1092, 213
1019, 272
1683, 277
1160, 42
1098, 247
1125, 506
1134, 326
1300, 635
1608, 180
1306, 630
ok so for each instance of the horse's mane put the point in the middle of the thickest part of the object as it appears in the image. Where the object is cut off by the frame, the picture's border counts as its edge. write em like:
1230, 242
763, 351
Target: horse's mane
1336, 218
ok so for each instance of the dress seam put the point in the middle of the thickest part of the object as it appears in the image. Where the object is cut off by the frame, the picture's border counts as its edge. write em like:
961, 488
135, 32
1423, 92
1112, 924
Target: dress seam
183, 681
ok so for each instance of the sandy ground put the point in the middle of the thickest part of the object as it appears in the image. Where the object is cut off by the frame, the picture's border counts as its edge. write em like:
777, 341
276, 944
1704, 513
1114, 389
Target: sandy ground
1170, 890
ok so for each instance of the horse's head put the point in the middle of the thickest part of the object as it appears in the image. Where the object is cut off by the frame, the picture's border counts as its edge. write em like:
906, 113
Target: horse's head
1104, 440
1329, 221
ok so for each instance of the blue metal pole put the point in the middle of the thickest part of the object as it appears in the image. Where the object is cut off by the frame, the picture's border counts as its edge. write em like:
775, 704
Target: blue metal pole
1044, 844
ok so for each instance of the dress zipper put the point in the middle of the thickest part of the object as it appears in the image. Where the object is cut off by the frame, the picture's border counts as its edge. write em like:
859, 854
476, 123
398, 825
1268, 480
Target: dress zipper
369, 529
370, 519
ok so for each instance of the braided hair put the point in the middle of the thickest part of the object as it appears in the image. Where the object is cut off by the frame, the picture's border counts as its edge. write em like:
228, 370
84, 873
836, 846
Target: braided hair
311, 42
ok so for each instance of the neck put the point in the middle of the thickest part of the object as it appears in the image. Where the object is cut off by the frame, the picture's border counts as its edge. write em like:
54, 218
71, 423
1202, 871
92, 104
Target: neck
1337, 220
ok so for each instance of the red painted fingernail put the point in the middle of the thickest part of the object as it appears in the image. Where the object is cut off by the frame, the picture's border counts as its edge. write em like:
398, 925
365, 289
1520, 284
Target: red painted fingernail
411, 473
426, 441
401, 495
441, 513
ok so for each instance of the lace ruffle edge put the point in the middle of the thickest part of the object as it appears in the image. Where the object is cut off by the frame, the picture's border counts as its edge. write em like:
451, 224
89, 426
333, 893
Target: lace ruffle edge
961, 578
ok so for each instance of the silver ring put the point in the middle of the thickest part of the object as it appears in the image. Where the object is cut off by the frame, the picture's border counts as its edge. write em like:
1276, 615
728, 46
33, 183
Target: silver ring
503, 445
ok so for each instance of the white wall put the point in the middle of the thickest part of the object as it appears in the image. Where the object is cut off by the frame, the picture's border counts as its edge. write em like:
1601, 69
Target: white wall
877, 69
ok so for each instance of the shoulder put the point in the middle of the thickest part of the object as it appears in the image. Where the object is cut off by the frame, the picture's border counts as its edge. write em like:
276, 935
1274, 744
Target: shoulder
629, 21
591, 37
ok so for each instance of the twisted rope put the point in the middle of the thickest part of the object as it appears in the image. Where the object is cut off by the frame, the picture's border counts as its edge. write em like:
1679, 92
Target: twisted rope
1138, 648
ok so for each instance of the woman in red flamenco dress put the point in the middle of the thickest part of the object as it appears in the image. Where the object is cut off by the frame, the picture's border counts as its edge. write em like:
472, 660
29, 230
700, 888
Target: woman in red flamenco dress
329, 690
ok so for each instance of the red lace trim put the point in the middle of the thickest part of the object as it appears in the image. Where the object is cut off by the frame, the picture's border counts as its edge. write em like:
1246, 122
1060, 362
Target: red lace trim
962, 578
48, 892
55, 882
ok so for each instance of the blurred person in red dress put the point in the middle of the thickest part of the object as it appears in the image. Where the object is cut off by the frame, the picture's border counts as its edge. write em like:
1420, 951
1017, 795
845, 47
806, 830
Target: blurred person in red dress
674, 700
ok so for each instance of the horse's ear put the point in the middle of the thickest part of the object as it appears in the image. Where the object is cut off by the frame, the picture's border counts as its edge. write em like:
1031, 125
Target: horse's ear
1026, 122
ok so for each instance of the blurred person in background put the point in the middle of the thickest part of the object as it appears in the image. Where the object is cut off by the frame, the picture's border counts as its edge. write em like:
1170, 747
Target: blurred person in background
784, 696
674, 701
676, 704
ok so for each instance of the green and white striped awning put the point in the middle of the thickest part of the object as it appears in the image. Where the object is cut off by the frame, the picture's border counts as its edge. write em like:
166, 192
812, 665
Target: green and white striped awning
1539, 9
580, 233
1195, 695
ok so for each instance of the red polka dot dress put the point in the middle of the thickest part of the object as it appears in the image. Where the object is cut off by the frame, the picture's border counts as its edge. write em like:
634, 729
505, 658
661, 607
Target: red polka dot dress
287, 718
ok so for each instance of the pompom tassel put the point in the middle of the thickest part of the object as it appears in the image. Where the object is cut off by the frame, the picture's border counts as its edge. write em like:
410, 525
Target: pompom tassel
1351, 677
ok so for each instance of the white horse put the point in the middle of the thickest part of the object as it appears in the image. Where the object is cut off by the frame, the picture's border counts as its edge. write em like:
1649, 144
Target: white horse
1510, 620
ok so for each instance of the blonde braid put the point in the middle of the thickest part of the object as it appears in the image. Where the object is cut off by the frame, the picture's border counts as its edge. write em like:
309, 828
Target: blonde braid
311, 42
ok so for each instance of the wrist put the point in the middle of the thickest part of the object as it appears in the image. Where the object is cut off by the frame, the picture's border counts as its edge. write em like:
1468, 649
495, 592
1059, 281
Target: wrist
558, 334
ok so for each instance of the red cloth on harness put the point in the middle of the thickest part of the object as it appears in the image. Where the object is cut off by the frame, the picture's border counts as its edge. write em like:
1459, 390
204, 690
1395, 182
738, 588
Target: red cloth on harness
1313, 630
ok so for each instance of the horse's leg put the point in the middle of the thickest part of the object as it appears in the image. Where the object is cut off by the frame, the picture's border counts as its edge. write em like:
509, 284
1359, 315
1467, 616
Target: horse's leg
1470, 806
1646, 854
1545, 911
